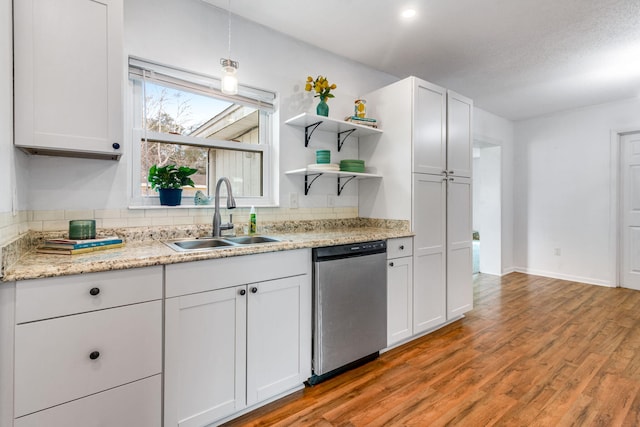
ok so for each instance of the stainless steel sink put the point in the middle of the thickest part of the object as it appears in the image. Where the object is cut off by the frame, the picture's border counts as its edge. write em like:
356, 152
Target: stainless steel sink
197, 244
250, 240
207, 244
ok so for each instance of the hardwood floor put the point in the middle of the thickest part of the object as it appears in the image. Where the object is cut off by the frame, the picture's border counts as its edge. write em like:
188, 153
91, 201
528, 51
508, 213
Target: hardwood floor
533, 352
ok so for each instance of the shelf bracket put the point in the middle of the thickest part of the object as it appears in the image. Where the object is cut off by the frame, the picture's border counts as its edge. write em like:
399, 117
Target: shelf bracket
346, 134
307, 184
341, 187
307, 133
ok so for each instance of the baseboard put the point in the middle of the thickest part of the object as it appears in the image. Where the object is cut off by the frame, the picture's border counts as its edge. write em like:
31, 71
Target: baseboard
509, 270
257, 405
421, 334
568, 277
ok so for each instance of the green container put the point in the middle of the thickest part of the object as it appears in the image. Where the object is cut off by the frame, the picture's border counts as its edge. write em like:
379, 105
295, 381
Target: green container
323, 156
82, 229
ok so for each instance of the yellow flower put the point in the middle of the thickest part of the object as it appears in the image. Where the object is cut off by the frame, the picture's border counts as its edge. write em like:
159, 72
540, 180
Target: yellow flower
321, 86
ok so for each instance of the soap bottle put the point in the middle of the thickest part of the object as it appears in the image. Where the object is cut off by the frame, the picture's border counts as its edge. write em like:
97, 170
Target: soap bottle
252, 220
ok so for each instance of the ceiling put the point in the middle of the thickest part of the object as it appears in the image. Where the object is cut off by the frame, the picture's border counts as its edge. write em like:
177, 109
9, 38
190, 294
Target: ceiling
515, 58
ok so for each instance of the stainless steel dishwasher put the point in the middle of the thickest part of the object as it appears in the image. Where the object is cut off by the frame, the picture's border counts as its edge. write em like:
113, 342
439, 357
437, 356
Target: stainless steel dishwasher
349, 306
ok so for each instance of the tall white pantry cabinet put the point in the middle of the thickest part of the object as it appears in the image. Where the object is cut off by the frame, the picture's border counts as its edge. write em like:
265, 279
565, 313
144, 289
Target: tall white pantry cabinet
425, 156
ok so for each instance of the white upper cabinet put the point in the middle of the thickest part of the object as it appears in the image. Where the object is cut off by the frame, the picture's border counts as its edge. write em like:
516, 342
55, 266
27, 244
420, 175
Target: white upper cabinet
68, 77
459, 139
429, 128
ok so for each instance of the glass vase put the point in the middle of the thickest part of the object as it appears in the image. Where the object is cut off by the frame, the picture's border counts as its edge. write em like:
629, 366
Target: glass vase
323, 108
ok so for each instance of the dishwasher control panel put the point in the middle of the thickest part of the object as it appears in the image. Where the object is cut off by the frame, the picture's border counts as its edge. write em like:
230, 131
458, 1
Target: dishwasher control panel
354, 249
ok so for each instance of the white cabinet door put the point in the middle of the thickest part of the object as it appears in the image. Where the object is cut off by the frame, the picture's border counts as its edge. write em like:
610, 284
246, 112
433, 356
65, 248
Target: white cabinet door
399, 299
278, 336
68, 77
429, 249
429, 128
459, 139
459, 247
205, 355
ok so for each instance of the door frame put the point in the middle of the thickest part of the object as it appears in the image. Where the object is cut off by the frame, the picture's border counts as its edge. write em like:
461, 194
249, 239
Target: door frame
615, 202
480, 142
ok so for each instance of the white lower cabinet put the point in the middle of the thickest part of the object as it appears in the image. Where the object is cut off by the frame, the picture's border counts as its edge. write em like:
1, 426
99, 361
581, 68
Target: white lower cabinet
88, 350
278, 336
399, 290
205, 356
239, 343
429, 248
70, 357
459, 248
137, 404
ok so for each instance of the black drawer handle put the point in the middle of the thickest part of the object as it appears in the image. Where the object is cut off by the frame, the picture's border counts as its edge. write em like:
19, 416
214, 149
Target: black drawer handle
254, 290
391, 264
115, 146
94, 355
242, 292
94, 291
402, 247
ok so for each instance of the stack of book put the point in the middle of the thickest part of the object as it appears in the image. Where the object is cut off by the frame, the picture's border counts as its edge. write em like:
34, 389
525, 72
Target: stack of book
71, 247
364, 121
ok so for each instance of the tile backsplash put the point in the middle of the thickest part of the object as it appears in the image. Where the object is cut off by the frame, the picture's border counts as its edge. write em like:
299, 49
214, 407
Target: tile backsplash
12, 226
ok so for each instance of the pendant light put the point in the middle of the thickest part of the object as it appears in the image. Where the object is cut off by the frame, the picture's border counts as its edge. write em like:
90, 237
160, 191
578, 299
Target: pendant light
229, 84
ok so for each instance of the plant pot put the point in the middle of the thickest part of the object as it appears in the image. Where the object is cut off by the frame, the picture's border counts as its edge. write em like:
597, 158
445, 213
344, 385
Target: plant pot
323, 108
170, 196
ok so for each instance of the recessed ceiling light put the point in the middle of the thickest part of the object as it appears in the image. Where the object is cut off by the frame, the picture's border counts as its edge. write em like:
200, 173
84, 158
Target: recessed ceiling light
408, 13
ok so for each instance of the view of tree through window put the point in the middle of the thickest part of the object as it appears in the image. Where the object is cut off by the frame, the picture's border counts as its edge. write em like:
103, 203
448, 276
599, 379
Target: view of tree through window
185, 118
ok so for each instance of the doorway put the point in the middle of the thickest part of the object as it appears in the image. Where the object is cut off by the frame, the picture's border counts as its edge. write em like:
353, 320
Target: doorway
487, 206
629, 217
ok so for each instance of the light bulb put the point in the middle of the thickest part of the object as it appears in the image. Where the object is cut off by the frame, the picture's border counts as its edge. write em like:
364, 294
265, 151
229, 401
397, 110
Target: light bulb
229, 84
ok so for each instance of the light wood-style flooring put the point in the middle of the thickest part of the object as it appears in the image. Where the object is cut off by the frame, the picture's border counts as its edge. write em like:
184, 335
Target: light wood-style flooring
533, 352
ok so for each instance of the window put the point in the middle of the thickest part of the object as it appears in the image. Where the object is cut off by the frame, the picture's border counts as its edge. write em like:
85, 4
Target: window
182, 118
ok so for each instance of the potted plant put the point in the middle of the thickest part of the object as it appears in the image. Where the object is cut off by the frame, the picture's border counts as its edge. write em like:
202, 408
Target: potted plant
168, 182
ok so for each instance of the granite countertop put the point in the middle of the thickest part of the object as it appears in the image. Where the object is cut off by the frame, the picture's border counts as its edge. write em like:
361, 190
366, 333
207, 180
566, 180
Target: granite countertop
32, 265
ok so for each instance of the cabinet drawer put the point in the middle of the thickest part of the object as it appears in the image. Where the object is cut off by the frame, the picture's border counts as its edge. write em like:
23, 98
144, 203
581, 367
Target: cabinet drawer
208, 275
56, 360
59, 296
137, 404
400, 247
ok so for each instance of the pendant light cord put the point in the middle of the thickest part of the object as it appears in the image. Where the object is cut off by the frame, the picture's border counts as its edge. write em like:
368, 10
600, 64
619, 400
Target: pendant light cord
229, 20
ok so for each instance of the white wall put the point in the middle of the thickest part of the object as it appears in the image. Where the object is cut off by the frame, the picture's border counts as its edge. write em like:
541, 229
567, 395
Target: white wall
193, 35
497, 131
563, 181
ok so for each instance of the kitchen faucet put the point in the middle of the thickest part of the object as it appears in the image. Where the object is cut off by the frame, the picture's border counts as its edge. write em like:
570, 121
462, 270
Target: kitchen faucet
231, 204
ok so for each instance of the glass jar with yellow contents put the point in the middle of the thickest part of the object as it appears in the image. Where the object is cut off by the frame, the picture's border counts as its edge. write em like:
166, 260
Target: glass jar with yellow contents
360, 109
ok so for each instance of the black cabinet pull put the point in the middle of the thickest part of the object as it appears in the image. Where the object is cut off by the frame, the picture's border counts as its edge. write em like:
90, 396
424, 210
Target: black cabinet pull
115, 146
254, 290
94, 291
94, 355
242, 292
391, 264
402, 247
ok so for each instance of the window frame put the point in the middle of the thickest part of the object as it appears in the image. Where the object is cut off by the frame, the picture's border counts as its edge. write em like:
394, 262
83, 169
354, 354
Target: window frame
141, 71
